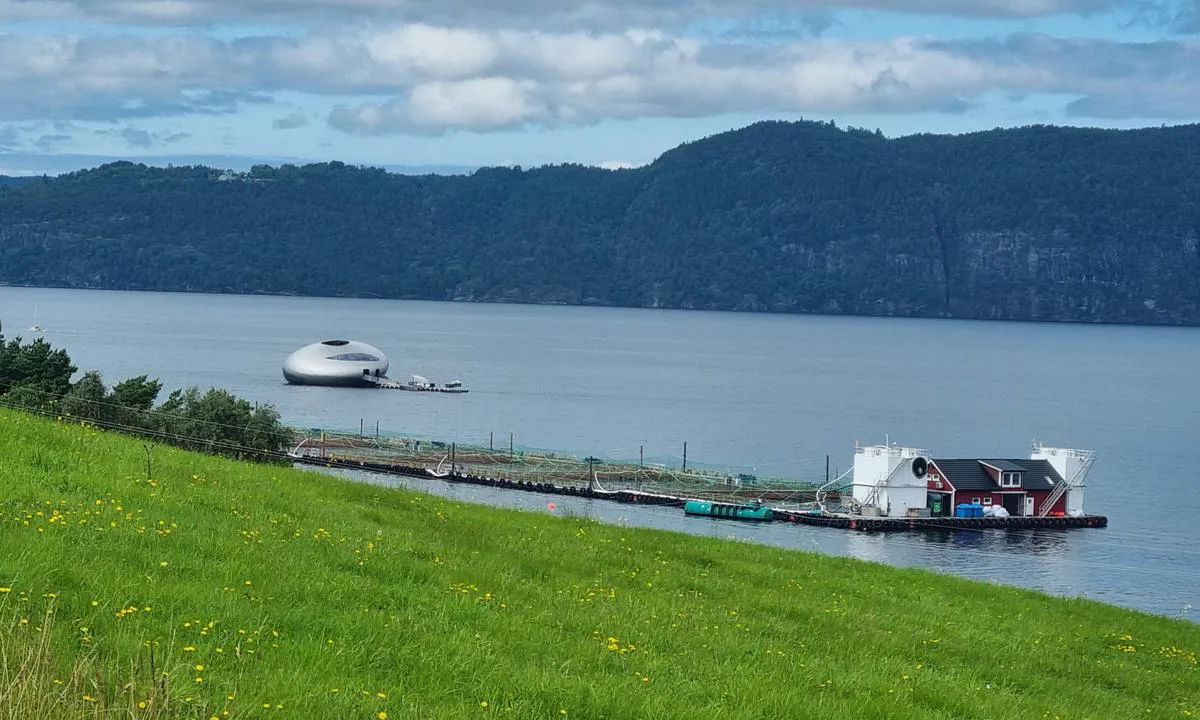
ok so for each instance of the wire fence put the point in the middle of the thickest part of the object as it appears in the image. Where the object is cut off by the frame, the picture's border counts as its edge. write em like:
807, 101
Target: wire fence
530, 464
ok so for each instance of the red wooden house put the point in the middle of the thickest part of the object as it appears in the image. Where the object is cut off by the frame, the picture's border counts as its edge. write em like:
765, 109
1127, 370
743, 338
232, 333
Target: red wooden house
1019, 486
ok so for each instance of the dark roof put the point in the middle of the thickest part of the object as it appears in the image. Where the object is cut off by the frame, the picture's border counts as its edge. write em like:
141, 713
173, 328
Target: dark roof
966, 474
1004, 465
969, 474
1039, 475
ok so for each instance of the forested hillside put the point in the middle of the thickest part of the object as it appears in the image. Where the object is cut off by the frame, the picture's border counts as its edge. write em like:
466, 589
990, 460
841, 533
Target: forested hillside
1039, 223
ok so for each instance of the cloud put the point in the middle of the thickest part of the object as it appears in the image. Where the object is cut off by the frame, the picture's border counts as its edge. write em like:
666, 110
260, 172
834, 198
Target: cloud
51, 141
425, 79
143, 139
620, 164
10, 138
1181, 16
593, 14
103, 78
290, 121
538, 82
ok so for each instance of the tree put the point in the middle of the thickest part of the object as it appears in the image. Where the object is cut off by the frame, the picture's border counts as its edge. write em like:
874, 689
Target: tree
136, 393
37, 377
42, 373
88, 399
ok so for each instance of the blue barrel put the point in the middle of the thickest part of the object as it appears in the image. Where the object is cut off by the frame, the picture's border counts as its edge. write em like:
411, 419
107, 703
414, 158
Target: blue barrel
976, 510
963, 510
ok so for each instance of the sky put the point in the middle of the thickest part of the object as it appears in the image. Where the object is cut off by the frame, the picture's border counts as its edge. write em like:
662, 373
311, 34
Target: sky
454, 84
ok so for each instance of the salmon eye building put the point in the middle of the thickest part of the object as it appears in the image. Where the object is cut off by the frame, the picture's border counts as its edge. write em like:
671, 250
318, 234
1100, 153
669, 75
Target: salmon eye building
338, 363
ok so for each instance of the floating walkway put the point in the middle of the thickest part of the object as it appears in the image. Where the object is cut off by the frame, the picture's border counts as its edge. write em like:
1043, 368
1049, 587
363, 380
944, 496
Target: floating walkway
385, 454
589, 487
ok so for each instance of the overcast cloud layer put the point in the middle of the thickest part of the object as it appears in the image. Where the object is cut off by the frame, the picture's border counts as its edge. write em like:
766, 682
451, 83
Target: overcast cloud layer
429, 79
532, 11
426, 67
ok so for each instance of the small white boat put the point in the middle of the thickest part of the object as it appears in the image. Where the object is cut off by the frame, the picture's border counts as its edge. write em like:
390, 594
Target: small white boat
35, 327
420, 384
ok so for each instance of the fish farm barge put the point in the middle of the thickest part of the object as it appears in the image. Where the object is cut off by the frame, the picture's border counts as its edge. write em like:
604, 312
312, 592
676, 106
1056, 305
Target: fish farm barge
837, 503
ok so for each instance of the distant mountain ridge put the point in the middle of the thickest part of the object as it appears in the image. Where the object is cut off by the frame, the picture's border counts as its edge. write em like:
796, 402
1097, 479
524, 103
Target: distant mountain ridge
26, 164
1033, 223
10, 180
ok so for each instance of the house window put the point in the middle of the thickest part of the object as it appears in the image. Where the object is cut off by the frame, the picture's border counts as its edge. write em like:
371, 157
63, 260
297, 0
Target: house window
975, 501
1010, 479
987, 500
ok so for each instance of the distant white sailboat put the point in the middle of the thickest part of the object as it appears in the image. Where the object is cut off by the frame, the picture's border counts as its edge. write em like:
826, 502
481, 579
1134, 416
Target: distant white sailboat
35, 327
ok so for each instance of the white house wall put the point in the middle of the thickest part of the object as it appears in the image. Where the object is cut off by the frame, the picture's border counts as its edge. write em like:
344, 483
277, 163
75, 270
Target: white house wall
903, 491
1066, 461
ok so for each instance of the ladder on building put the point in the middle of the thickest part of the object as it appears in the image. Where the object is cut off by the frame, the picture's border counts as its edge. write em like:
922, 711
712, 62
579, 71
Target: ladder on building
1086, 458
884, 481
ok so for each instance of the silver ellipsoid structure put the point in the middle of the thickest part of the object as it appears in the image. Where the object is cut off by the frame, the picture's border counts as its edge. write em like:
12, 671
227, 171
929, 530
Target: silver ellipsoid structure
339, 363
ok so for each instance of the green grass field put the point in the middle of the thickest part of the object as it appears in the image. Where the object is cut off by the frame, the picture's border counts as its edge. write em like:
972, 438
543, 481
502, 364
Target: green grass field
219, 589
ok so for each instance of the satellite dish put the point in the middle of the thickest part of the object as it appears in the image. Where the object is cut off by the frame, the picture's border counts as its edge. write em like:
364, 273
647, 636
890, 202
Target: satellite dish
920, 467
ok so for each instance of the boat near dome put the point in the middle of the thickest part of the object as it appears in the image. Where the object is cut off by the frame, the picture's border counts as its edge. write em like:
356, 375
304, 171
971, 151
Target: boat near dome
336, 363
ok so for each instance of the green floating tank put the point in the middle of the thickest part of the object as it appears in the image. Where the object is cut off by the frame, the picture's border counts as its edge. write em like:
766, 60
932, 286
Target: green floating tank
731, 511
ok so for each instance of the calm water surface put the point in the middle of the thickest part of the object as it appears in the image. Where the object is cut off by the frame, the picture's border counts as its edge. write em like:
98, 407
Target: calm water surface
772, 394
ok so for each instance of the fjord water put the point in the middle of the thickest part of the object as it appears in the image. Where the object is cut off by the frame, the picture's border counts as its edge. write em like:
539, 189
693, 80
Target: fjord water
770, 394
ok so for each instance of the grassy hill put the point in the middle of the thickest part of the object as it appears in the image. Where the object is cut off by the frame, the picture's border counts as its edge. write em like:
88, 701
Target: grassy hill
216, 589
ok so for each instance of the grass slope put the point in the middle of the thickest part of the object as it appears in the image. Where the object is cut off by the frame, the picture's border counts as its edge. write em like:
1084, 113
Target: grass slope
219, 589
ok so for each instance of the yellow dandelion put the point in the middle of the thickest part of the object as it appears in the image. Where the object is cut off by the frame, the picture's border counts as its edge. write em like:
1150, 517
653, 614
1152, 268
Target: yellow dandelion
483, 703
199, 668
381, 715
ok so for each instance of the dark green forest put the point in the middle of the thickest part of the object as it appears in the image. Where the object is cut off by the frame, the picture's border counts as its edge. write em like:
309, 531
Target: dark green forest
1033, 223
